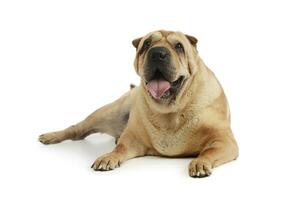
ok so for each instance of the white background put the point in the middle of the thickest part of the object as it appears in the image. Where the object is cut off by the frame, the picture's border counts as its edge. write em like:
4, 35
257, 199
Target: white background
60, 60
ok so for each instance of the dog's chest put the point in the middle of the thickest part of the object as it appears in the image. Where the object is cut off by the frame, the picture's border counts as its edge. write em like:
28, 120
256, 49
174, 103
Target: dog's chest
173, 141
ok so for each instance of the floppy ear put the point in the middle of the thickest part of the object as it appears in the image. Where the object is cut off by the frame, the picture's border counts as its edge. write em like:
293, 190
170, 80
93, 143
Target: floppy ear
192, 40
136, 42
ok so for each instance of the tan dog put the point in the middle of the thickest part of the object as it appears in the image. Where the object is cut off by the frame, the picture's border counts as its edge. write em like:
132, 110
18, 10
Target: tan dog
178, 110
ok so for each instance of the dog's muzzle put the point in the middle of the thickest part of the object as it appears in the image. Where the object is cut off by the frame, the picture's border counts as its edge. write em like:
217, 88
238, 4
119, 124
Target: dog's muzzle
160, 74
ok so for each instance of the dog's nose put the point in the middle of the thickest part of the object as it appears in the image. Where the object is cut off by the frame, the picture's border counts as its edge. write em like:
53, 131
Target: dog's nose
159, 54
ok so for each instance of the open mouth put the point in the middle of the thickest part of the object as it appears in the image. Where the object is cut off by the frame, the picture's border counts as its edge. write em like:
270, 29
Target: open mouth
160, 88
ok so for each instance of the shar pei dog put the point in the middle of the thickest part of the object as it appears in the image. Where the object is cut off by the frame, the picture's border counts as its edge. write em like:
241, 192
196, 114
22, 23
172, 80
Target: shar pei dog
178, 110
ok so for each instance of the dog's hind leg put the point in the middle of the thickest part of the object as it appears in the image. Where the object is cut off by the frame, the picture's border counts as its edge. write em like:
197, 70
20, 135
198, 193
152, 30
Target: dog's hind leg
110, 119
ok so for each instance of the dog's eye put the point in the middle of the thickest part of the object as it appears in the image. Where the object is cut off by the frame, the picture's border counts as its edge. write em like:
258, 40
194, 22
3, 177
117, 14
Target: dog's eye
147, 43
145, 46
179, 47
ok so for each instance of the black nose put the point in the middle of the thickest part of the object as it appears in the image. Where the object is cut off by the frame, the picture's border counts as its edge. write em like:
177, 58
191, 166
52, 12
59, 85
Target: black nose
159, 54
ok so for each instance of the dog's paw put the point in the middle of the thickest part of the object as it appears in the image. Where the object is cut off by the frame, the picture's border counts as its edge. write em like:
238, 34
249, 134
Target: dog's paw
200, 167
50, 138
106, 162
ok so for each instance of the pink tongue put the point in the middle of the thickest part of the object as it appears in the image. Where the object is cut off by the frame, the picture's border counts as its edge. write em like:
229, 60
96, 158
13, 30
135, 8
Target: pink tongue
157, 88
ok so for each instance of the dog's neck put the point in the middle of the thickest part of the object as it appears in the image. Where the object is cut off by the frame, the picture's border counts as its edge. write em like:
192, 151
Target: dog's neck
179, 113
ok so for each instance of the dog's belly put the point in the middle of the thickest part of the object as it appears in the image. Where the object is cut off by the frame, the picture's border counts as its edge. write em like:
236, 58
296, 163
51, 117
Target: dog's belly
180, 139
169, 143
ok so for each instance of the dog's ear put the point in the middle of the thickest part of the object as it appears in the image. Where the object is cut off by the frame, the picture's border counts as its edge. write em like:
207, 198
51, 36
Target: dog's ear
136, 42
192, 40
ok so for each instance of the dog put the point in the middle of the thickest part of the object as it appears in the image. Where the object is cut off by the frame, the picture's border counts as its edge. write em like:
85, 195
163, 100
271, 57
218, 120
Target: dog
178, 110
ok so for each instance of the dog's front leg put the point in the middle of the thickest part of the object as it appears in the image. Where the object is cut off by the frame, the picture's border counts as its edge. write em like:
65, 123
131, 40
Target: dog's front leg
128, 147
219, 149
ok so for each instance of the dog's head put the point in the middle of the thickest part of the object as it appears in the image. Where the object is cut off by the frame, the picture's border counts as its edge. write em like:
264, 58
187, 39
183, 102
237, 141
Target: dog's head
164, 61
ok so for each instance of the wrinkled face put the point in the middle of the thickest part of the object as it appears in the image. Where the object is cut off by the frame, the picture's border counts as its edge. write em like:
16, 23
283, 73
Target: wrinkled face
162, 62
